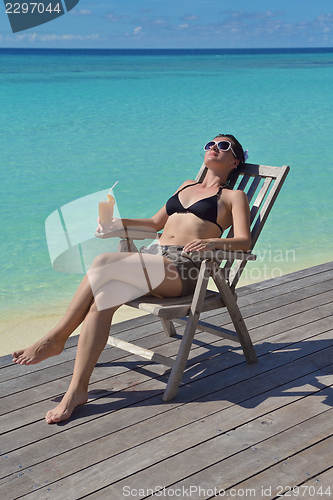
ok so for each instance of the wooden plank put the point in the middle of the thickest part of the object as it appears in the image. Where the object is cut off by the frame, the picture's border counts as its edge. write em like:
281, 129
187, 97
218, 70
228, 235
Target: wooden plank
269, 463
237, 318
16, 369
253, 187
306, 462
262, 170
140, 351
217, 330
281, 324
286, 324
260, 197
273, 300
205, 383
271, 310
287, 327
188, 336
192, 414
243, 182
131, 233
268, 204
259, 221
168, 327
320, 269
322, 480
30, 413
307, 318
56, 387
288, 310
260, 298
282, 288
226, 473
39, 430
220, 255
208, 451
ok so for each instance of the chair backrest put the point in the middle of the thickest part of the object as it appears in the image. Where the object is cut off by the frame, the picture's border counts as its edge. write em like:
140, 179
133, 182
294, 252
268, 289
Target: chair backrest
262, 184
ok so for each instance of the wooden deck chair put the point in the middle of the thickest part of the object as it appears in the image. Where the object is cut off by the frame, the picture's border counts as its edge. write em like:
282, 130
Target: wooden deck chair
262, 185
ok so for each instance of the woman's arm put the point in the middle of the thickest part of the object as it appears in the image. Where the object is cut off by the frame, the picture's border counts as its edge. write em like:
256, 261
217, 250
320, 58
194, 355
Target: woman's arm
155, 223
241, 241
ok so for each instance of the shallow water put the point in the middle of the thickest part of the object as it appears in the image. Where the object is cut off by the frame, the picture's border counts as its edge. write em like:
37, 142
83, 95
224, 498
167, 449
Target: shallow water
74, 122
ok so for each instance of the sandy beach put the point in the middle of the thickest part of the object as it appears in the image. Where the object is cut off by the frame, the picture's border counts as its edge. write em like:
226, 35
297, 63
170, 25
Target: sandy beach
21, 330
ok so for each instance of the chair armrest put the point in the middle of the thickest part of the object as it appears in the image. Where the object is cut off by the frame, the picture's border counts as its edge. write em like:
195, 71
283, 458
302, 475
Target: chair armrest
219, 255
131, 234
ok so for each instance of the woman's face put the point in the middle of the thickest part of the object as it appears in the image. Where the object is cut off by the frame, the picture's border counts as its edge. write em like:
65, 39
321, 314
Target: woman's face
215, 156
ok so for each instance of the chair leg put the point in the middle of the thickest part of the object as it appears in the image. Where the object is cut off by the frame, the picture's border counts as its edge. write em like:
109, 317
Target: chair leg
169, 327
236, 316
191, 325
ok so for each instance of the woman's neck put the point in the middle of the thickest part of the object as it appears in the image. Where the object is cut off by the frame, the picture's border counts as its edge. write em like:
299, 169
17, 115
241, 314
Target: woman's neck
212, 179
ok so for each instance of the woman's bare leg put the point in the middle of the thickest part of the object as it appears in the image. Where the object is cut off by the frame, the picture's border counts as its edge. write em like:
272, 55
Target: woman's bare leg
93, 337
53, 342
106, 267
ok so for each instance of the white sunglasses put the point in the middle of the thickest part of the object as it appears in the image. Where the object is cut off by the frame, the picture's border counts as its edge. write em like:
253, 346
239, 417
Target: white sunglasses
222, 146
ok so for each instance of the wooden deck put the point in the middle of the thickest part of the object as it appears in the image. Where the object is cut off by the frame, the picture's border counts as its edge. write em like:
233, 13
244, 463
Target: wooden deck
252, 430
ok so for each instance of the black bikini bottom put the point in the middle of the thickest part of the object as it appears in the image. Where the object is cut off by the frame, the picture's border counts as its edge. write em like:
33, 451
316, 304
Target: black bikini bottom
188, 271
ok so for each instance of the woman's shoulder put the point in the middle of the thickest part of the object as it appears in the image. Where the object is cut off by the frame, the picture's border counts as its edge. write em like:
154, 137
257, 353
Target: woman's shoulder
188, 182
235, 196
235, 193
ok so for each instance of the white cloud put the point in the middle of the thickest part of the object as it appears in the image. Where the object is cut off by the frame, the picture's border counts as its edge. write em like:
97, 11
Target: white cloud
81, 12
252, 16
325, 18
33, 37
114, 18
268, 26
137, 30
190, 17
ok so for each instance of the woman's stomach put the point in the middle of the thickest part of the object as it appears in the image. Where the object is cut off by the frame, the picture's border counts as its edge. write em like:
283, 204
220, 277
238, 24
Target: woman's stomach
181, 228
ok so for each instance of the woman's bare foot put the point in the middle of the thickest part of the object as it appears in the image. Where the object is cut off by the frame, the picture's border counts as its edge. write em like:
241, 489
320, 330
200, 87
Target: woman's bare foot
43, 349
65, 409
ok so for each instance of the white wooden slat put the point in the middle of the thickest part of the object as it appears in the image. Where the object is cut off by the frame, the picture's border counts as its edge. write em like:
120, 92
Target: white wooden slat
140, 351
253, 187
268, 204
261, 196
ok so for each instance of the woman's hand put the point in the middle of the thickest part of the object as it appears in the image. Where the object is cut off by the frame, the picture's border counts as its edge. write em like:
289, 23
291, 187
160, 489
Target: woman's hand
199, 245
115, 225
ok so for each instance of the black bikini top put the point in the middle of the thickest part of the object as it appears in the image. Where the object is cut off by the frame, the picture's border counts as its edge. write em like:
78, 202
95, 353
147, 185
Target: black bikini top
205, 209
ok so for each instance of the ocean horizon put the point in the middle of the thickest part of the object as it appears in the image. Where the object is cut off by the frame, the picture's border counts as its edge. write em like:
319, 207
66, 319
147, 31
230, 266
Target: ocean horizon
75, 121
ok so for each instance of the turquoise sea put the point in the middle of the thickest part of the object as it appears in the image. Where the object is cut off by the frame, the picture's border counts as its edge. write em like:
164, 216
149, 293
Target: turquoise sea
73, 122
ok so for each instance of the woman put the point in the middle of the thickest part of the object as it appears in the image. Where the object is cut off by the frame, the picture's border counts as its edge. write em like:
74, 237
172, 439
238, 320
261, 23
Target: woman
192, 221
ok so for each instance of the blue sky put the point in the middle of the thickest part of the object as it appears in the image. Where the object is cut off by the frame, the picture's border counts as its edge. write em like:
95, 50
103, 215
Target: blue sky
181, 24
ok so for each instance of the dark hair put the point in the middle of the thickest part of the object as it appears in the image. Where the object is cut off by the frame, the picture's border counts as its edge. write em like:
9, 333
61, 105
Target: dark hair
239, 152
236, 146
